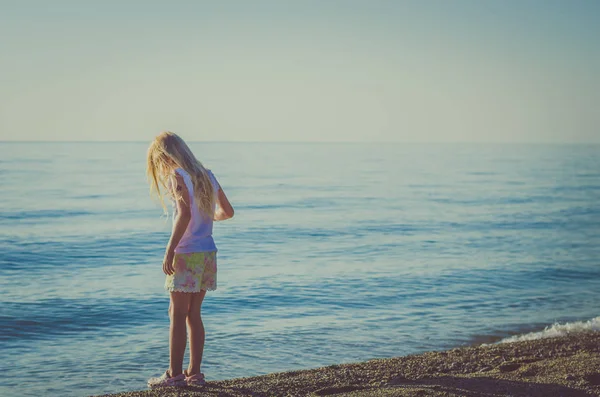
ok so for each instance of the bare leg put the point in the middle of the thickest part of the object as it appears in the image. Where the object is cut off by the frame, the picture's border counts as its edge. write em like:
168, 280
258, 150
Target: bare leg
178, 311
196, 332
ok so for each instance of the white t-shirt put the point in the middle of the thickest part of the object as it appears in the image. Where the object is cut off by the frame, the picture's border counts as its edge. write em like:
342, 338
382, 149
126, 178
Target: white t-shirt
198, 235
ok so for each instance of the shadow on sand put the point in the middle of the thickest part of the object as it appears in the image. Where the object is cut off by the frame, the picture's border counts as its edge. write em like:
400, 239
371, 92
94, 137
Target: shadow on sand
446, 386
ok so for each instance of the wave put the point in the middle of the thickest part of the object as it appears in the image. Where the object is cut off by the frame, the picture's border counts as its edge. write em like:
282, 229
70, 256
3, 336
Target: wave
557, 330
80, 251
50, 318
40, 214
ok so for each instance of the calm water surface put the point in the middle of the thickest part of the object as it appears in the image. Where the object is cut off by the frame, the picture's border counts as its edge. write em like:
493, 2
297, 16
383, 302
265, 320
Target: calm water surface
337, 253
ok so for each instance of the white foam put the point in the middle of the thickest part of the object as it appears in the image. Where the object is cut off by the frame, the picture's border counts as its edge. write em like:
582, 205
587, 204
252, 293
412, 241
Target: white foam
557, 330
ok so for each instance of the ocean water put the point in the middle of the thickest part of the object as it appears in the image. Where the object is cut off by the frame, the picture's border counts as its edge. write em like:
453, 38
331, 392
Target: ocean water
337, 253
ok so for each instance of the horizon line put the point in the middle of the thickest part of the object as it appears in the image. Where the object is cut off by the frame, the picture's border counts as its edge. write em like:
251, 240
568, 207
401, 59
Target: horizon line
319, 142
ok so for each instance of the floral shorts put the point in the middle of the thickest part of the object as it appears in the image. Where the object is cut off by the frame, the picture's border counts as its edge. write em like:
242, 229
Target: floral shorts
193, 272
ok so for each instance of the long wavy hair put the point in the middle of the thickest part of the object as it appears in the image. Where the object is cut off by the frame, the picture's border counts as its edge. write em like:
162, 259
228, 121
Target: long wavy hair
167, 152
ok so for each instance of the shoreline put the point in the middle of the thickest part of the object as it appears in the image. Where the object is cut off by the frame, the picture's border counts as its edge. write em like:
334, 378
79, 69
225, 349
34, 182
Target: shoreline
559, 366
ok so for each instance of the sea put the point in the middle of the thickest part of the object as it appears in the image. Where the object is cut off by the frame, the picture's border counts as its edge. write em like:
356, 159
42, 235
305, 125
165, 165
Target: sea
337, 253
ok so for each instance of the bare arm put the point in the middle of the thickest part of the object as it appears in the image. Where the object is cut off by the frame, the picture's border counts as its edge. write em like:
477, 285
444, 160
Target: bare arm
224, 209
184, 214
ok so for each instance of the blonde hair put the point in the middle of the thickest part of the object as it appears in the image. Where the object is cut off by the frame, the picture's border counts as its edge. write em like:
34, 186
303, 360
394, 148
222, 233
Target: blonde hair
167, 152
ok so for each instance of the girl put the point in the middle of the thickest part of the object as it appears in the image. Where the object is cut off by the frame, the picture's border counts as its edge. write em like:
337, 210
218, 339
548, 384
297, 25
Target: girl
190, 260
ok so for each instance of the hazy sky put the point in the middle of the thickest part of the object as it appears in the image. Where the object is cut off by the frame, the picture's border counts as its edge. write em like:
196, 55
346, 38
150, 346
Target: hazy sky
424, 70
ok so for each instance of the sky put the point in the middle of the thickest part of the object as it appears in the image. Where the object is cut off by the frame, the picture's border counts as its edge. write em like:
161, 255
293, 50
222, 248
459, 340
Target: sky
304, 70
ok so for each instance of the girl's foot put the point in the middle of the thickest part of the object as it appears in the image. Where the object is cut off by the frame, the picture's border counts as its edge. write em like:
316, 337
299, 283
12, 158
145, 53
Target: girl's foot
194, 380
166, 380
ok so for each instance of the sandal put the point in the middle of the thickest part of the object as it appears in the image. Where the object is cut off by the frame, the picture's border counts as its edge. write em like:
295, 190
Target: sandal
166, 380
195, 380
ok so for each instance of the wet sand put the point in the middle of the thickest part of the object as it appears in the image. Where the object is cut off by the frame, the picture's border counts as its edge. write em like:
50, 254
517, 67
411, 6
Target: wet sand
565, 366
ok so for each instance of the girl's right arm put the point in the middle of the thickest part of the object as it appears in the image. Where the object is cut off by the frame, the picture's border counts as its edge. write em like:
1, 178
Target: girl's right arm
224, 209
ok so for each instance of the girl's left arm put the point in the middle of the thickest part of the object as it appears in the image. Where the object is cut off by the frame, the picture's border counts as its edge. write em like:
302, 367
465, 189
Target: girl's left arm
184, 214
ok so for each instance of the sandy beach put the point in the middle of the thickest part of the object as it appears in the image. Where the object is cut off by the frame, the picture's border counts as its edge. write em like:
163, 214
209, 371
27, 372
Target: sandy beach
563, 366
